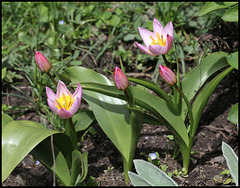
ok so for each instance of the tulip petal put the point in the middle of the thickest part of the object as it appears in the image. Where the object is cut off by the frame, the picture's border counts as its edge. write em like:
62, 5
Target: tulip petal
75, 106
145, 34
144, 49
50, 93
53, 105
169, 42
157, 27
157, 49
62, 88
78, 92
64, 114
168, 29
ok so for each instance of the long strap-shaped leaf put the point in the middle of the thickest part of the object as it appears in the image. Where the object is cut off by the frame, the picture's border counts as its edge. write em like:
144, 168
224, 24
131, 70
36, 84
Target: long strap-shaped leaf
195, 79
113, 119
203, 97
114, 92
153, 87
21, 137
43, 153
109, 111
166, 113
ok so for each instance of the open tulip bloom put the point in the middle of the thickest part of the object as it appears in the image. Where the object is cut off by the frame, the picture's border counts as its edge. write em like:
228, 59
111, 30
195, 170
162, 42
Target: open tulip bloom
158, 42
64, 103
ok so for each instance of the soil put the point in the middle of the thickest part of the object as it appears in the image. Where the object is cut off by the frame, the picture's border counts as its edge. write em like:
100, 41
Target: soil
105, 162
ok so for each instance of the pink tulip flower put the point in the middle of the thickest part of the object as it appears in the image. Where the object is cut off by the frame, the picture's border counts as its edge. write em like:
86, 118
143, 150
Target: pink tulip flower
158, 42
120, 79
42, 62
64, 103
167, 74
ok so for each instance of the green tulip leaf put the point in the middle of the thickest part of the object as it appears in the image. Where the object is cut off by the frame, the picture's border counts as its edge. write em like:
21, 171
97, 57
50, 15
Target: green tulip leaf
204, 95
231, 15
83, 119
211, 6
84, 167
233, 60
194, 80
6, 119
153, 87
109, 111
76, 166
43, 153
233, 114
20, 138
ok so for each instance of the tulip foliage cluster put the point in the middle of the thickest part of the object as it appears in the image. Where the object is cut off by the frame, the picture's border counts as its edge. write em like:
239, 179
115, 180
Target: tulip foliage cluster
119, 108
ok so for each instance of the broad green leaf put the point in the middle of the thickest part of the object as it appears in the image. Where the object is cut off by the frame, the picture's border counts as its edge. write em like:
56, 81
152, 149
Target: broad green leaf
232, 161
233, 60
83, 119
211, 6
195, 79
83, 175
137, 180
43, 153
114, 92
112, 116
109, 111
76, 166
153, 87
152, 174
6, 119
230, 3
233, 114
204, 95
18, 139
231, 15
165, 113
168, 116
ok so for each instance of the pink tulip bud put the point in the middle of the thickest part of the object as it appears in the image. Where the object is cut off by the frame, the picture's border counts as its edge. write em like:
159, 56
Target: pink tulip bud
120, 79
167, 74
42, 62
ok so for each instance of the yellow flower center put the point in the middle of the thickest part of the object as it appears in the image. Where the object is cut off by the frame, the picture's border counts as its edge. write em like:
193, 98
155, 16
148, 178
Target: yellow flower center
65, 101
158, 41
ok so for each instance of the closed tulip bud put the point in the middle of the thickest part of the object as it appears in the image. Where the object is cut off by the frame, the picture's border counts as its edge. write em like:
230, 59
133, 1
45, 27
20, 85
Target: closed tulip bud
42, 62
120, 79
167, 74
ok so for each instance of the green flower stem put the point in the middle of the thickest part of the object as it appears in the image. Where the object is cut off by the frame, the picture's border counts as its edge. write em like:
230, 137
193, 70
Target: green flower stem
136, 121
129, 96
54, 81
165, 60
71, 132
127, 166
